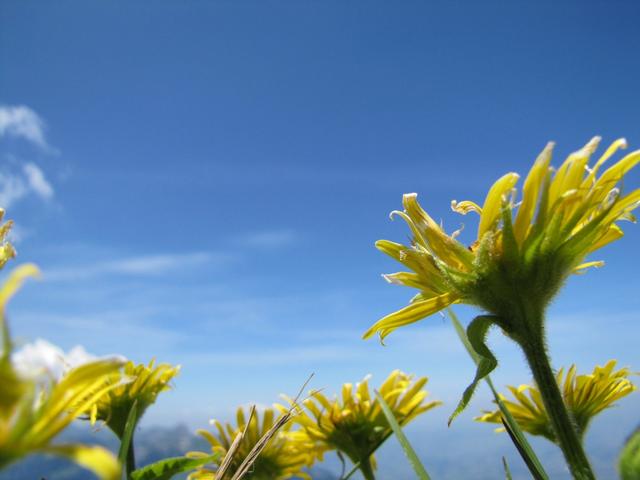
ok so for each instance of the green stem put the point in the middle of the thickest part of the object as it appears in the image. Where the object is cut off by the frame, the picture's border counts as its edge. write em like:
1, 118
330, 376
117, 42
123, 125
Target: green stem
563, 426
367, 469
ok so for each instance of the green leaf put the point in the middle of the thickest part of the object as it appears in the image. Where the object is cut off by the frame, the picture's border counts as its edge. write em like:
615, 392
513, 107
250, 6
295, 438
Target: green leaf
167, 468
507, 472
125, 454
629, 461
515, 433
486, 362
421, 472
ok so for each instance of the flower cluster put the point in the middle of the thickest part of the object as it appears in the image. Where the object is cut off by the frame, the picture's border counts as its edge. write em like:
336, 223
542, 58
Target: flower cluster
354, 425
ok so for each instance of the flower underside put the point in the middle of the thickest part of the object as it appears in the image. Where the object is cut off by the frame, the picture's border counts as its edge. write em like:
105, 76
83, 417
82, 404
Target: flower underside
525, 248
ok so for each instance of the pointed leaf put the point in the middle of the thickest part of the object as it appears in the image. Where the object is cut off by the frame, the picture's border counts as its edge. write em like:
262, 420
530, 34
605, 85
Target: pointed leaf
421, 472
507, 472
476, 333
167, 468
126, 447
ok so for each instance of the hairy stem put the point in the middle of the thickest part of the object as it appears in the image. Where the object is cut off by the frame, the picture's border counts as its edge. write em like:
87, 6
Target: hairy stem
564, 427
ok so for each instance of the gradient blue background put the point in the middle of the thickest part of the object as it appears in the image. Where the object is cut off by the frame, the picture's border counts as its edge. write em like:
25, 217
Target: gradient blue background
222, 169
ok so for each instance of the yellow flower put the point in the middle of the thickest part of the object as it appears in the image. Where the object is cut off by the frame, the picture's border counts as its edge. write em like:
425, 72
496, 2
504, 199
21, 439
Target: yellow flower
7, 252
137, 384
519, 260
33, 414
286, 455
584, 395
355, 424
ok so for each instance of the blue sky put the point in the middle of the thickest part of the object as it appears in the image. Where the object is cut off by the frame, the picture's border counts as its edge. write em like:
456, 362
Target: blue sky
203, 182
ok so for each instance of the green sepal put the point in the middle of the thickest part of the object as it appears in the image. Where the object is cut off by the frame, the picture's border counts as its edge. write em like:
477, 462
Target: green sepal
169, 467
477, 333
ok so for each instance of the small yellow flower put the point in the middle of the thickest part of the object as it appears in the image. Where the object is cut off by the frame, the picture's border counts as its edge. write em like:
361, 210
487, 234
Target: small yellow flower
33, 414
138, 384
355, 424
584, 395
7, 252
519, 260
286, 455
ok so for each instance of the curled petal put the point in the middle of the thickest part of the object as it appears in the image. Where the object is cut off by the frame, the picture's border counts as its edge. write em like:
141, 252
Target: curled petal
615, 146
410, 314
15, 280
465, 207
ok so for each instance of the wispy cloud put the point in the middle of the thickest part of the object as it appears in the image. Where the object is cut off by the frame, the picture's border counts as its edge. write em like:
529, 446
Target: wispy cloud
146, 265
255, 355
18, 183
22, 122
269, 239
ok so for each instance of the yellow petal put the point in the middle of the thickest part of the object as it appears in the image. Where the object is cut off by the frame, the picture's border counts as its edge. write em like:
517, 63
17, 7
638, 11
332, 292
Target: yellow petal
410, 314
97, 459
584, 266
491, 210
531, 192
570, 173
15, 280
612, 234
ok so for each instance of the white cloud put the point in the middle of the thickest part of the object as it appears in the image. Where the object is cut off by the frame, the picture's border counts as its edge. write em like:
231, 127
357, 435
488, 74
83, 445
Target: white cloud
43, 361
37, 181
22, 122
16, 184
269, 239
12, 189
147, 265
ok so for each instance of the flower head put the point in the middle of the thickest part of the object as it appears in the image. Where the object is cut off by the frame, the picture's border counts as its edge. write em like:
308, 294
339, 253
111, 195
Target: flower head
355, 424
286, 455
33, 413
137, 384
524, 250
584, 395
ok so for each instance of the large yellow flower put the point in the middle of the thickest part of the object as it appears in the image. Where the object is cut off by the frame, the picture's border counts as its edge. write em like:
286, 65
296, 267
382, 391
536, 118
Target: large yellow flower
355, 424
562, 216
286, 455
585, 397
32, 414
137, 384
